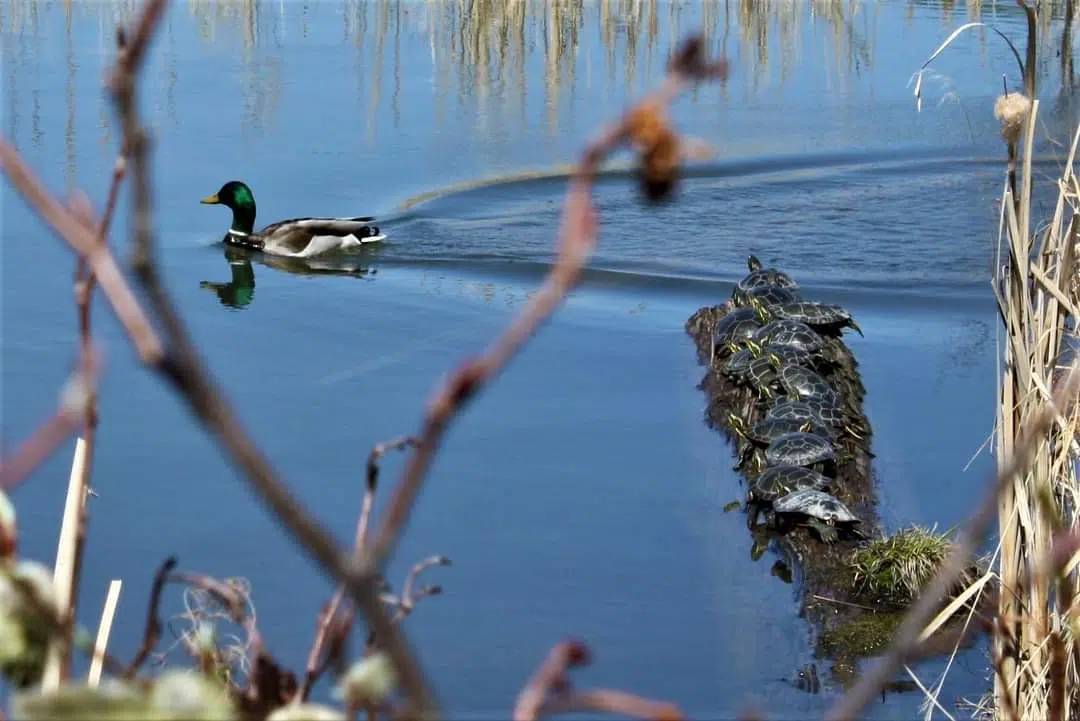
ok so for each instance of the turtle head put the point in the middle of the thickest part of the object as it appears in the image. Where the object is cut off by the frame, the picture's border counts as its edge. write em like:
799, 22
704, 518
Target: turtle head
774, 359
762, 312
753, 263
755, 349
738, 425
732, 347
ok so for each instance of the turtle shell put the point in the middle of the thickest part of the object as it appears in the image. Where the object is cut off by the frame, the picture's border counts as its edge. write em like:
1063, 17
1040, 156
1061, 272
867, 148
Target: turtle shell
780, 481
801, 382
807, 410
736, 325
789, 355
767, 430
760, 373
769, 296
737, 363
760, 275
799, 449
816, 504
789, 333
812, 312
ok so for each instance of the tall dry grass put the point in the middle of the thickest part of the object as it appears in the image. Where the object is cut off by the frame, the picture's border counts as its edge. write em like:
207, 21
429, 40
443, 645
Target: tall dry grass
1037, 660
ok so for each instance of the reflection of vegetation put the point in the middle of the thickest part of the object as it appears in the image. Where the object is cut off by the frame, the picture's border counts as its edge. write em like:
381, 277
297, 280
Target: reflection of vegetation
494, 55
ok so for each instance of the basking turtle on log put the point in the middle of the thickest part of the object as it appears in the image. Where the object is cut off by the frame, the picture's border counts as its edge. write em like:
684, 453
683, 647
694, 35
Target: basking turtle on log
785, 391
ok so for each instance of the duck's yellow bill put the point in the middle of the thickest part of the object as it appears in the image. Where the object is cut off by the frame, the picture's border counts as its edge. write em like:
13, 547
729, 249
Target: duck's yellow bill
210, 200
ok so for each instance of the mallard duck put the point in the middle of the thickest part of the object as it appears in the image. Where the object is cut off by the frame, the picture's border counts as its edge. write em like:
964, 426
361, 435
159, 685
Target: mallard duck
296, 237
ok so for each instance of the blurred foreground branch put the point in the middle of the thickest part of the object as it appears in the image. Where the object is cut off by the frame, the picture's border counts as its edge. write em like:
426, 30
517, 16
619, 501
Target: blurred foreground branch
173, 356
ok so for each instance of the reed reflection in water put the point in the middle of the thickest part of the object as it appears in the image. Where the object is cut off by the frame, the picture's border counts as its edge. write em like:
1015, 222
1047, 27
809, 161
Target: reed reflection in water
489, 59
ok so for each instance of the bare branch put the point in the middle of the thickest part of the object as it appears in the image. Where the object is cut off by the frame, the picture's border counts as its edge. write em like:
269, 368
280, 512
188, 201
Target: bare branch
328, 617
645, 127
69, 415
85, 243
549, 692
612, 702
550, 676
153, 620
184, 370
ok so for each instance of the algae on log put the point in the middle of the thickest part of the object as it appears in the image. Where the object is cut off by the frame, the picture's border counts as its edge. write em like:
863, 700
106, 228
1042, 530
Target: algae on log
851, 621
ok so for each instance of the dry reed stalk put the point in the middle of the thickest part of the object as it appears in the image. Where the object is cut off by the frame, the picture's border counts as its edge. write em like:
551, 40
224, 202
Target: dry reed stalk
101, 643
1035, 678
57, 665
72, 541
1030, 422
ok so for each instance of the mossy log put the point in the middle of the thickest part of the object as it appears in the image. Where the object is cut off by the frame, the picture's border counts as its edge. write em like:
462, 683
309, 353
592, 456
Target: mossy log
850, 621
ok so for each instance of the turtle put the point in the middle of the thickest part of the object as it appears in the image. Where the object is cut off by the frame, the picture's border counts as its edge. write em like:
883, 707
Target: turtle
801, 382
760, 276
819, 510
761, 377
813, 313
788, 333
769, 296
763, 433
737, 363
779, 481
801, 448
817, 411
786, 354
734, 327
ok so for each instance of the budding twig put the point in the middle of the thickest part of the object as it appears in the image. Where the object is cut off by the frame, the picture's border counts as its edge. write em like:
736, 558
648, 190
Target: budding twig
643, 126
549, 692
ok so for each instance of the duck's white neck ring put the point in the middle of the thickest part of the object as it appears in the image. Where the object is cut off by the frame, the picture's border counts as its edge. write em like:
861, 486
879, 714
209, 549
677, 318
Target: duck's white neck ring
238, 233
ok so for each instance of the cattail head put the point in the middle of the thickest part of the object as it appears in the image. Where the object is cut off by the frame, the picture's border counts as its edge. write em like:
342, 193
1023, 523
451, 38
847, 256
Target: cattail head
1012, 110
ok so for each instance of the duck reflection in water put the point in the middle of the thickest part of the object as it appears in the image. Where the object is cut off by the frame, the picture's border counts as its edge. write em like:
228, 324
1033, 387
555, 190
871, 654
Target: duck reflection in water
239, 291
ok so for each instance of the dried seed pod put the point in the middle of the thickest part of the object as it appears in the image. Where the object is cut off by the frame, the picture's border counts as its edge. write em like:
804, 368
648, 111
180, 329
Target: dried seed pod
659, 150
659, 172
1012, 110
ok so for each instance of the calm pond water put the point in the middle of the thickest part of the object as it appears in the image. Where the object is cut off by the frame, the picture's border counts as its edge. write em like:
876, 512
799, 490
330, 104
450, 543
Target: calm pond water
582, 494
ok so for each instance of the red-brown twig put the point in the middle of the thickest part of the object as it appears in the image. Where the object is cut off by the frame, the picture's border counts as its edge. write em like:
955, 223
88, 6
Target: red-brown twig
611, 701
550, 676
978, 525
329, 614
153, 618
549, 692
69, 415
85, 242
184, 370
84, 289
411, 595
642, 126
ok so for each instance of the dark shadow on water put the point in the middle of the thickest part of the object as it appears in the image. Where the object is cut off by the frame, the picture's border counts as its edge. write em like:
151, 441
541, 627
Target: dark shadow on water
239, 291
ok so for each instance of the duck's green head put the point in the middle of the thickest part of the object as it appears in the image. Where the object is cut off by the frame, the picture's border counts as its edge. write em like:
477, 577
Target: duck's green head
238, 197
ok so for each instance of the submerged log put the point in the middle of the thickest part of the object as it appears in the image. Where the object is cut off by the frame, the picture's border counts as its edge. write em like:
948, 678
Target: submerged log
849, 621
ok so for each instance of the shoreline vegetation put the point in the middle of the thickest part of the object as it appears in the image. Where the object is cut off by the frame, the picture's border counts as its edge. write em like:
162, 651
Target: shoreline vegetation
938, 594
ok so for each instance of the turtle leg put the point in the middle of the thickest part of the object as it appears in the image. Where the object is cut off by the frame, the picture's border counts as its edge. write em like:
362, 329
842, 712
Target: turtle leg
825, 531
743, 457
855, 327
753, 511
